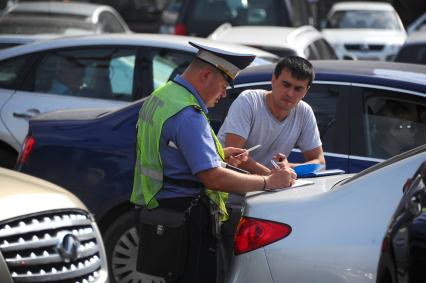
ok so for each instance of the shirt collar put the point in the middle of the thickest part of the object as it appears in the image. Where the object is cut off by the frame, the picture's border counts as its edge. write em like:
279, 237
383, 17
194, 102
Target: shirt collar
194, 92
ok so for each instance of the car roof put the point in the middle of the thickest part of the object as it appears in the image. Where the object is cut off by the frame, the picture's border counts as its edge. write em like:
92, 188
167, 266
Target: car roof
272, 36
155, 40
64, 8
416, 37
389, 74
354, 5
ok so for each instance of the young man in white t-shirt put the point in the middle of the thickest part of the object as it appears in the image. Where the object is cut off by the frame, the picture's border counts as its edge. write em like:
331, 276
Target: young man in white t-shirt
278, 119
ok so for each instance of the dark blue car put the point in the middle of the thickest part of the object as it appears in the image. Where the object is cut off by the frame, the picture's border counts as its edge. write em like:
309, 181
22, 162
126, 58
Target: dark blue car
366, 112
403, 254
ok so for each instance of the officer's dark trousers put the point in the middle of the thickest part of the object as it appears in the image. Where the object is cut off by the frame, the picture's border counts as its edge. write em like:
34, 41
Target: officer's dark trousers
201, 259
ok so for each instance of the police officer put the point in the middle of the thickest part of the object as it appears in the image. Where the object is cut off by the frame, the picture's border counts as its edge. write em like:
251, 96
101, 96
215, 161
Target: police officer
179, 163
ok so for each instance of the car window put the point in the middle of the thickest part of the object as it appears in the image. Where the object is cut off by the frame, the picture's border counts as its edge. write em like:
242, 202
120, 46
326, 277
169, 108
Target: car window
109, 23
393, 125
311, 53
412, 54
166, 65
10, 71
324, 101
325, 51
95, 73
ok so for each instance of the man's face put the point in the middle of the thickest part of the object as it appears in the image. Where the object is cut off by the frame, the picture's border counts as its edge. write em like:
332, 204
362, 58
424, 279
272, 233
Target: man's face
215, 88
287, 91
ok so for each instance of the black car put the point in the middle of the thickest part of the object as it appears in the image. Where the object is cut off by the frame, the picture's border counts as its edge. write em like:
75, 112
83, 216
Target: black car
403, 257
91, 152
202, 17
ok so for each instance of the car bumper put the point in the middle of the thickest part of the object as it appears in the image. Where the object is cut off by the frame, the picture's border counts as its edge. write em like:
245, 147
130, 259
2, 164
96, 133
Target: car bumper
250, 267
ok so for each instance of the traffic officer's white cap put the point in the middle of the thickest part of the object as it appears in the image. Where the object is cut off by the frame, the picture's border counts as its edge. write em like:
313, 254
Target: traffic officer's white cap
229, 63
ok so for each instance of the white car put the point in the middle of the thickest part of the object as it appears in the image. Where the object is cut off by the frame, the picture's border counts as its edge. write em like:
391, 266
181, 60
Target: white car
305, 41
47, 234
364, 30
116, 69
330, 231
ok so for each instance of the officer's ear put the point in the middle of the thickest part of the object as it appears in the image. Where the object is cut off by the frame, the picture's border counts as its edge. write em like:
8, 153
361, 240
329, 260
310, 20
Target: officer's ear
206, 75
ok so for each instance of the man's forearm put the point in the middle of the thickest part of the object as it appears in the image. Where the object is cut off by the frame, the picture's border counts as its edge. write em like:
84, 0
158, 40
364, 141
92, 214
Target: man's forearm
254, 167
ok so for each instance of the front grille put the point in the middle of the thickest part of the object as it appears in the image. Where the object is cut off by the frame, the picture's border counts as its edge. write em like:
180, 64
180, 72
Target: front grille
60, 246
364, 47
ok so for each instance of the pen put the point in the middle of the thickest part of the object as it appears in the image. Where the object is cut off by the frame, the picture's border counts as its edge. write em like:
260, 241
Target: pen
250, 149
275, 164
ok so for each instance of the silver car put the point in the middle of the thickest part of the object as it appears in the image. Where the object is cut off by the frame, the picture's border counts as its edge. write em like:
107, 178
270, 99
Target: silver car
61, 18
328, 231
46, 234
95, 71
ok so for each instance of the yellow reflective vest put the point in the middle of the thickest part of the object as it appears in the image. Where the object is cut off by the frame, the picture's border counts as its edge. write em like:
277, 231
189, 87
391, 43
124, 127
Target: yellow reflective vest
164, 103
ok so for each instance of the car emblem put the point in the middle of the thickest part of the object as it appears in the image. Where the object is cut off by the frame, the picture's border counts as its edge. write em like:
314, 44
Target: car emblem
68, 246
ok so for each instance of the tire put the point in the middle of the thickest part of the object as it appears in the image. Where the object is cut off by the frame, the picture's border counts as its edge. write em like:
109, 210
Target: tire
7, 158
121, 243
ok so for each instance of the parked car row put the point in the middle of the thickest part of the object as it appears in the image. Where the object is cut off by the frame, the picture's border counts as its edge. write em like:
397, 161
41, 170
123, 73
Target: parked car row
361, 110
352, 30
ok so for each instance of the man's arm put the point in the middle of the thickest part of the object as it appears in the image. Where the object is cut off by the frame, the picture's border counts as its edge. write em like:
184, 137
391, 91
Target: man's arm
250, 165
315, 155
225, 180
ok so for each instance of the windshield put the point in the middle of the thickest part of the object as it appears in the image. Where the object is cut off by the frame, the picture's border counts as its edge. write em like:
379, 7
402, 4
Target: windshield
385, 163
364, 19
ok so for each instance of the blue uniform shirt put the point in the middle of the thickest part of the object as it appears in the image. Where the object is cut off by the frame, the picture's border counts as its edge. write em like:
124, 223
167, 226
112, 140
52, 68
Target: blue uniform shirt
196, 152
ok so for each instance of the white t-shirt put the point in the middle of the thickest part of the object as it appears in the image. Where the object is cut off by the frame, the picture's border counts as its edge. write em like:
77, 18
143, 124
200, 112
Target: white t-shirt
250, 118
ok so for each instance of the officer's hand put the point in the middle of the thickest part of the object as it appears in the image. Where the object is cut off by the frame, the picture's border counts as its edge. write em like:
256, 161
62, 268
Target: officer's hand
281, 178
235, 156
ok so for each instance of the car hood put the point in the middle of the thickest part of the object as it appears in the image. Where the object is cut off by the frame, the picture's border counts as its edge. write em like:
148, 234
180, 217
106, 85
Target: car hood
22, 194
372, 36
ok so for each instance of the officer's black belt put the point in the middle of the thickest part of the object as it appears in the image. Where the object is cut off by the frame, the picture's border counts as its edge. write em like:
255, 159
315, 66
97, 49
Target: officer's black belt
183, 183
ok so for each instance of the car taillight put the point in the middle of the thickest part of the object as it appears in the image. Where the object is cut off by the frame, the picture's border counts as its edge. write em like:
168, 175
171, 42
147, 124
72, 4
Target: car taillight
255, 233
180, 29
26, 150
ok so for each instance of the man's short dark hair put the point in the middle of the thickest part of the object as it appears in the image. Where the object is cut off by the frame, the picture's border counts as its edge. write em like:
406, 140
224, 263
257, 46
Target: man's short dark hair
299, 68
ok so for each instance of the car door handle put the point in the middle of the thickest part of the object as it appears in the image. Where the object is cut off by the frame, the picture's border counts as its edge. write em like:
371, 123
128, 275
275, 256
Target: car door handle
26, 115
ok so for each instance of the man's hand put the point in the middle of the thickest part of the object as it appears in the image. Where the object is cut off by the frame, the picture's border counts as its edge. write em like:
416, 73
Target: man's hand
235, 156
281, 178
281, 160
